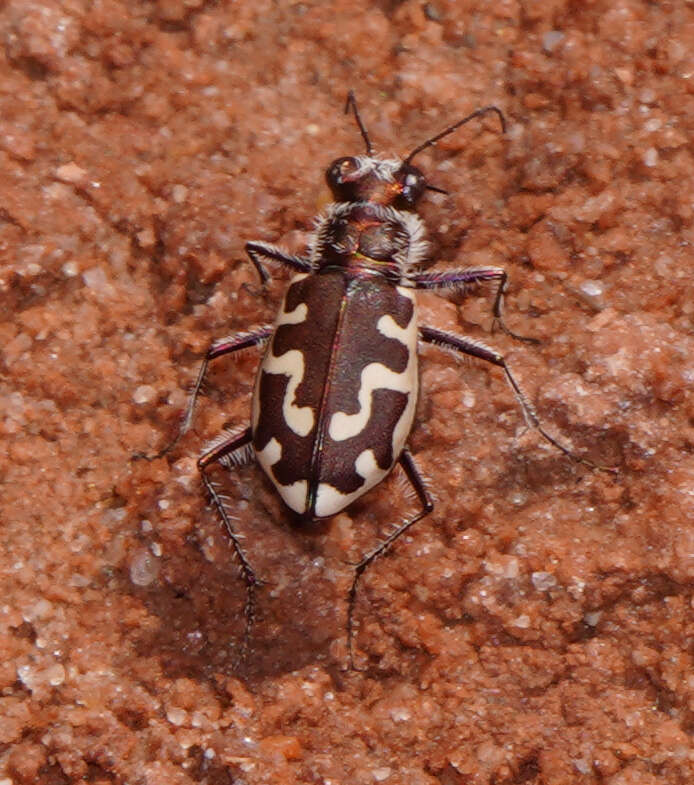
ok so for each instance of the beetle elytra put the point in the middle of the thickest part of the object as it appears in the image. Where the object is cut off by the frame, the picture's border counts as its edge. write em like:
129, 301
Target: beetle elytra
336, 390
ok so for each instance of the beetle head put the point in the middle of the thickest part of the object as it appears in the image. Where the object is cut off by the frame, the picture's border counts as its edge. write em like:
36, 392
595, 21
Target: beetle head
371, 179
391, 182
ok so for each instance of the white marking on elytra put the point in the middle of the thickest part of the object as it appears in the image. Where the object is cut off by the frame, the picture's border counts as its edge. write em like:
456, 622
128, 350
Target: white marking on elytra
377, 376
329, 501
294, 495
296, 316
409, 335
301, 419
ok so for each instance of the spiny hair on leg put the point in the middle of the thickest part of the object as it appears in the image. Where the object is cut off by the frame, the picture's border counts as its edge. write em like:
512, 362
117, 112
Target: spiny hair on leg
239, 457
221, 500
392, 527
410, 494
232, 537
217, 499
214, 486
428, 484
473, 342
267, 252
198, 388
404, 486
240, 337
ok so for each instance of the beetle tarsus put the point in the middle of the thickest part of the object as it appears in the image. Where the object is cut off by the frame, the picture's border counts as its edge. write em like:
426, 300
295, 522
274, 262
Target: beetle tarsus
499, 322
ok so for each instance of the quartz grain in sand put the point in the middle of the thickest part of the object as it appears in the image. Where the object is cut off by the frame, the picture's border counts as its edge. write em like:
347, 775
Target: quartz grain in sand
537, 627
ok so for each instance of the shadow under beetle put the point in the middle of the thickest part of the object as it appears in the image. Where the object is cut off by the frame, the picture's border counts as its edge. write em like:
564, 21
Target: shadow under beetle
336, 390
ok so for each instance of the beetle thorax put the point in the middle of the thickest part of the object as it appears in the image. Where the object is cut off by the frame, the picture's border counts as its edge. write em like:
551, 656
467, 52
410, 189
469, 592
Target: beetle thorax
363, 238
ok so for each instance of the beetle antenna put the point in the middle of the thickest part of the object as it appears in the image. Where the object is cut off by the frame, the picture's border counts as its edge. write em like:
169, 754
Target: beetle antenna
477, 113
437, 189
352, 104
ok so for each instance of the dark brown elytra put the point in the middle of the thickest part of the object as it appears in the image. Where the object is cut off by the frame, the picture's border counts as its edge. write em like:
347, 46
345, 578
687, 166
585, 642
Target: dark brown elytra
336, 389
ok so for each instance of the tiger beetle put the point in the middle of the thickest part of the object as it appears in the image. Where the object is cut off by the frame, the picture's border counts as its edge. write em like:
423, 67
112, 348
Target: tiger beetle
336, 390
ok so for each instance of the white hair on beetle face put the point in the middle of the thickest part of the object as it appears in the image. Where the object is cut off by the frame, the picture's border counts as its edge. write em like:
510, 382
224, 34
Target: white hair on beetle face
384, 168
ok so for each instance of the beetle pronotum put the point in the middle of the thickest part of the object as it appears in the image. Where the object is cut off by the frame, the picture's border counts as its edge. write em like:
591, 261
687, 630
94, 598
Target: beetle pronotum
336, 390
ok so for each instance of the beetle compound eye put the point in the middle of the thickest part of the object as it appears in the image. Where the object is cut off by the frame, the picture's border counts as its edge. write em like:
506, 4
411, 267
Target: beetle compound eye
412, 183
342, 177
340, 170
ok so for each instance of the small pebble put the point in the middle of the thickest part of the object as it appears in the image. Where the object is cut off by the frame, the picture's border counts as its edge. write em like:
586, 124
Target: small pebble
144, 394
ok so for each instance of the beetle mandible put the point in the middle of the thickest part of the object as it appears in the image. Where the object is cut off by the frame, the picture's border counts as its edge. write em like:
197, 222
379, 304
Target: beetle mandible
336, 390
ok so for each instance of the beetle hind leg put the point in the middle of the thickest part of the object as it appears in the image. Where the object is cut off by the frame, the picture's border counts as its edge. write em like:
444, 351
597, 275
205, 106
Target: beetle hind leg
233, 450
416, 482
230, 345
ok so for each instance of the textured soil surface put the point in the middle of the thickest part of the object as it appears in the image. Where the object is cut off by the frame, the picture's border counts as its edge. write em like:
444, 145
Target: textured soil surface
536, 628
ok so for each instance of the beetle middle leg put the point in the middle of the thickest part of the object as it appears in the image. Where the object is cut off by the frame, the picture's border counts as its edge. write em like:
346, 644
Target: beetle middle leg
230, 345
461, 280
408, 465
232, 450
458, 343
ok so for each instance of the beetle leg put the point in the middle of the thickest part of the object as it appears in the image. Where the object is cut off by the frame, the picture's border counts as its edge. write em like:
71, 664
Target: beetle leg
472, 348
257, 251
232, 450
234, 343
461, 280
408, 465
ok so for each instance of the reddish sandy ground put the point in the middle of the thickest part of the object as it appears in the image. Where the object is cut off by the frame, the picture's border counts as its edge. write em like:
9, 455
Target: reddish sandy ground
537, 627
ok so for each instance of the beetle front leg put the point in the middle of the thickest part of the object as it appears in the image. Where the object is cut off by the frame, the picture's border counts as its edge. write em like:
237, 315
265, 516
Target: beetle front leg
461, 280
472, 348
230, 345
408, 465
258, 251
232, 450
